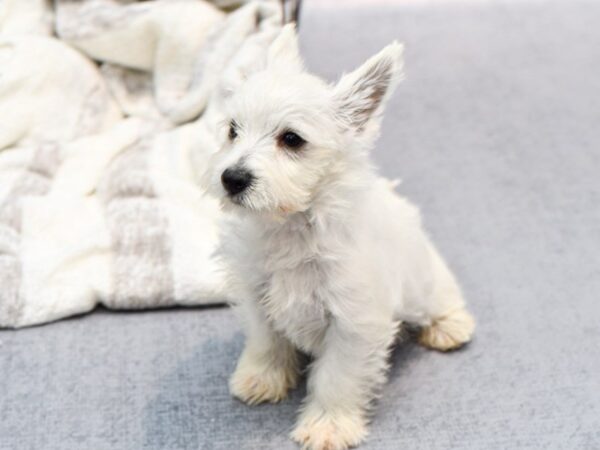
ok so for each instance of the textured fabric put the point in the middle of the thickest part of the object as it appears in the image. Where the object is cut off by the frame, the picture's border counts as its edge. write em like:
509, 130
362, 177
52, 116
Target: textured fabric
495, 135
114, 213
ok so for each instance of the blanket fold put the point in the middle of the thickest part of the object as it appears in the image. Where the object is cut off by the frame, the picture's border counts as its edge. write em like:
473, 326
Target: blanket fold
109, 111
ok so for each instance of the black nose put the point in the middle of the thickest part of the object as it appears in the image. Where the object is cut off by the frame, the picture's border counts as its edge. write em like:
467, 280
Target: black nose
236, 180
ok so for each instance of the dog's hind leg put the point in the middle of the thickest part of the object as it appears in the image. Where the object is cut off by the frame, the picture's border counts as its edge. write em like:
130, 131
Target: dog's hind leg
451, 325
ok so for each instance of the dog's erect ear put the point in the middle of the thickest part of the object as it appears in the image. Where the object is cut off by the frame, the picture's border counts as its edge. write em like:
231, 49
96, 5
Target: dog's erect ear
359, 96
284, 52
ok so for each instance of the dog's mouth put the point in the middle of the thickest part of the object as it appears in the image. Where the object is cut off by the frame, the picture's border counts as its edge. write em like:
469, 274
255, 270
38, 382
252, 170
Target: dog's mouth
242, 201
251, 202
233, 200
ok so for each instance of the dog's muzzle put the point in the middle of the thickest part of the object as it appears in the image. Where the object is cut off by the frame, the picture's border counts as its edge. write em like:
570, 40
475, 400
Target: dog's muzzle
236, 181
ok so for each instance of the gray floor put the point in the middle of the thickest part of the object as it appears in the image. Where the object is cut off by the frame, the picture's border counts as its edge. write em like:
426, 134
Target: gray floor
495, 134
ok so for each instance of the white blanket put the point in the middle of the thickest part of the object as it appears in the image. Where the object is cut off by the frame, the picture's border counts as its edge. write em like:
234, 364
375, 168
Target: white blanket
108, 109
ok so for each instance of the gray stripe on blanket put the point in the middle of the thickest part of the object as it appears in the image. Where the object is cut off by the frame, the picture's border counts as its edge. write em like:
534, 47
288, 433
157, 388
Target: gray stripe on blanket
84, 20
140, 234
35, 180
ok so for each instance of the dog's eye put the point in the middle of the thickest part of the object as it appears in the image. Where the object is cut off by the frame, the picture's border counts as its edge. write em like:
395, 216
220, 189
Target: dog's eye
292, 140
232, 130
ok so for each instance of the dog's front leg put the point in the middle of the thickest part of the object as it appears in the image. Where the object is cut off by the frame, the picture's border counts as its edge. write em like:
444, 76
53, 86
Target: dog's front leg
268, 366
344, 380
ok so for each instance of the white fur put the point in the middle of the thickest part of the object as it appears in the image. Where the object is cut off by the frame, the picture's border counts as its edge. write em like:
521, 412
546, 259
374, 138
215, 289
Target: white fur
323, 255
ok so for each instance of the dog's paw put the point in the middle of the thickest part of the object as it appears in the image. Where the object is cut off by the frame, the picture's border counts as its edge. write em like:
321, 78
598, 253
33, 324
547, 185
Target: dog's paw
448, 332
254, 382
322, 431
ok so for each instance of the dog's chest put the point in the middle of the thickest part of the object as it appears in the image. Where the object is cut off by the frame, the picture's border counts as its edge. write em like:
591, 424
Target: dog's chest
295, 294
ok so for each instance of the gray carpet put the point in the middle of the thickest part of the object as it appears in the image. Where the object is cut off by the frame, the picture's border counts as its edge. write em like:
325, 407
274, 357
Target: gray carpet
495, 134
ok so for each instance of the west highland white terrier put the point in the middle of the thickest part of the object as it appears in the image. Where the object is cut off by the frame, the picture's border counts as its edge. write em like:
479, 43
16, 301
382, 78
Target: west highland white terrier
322, 255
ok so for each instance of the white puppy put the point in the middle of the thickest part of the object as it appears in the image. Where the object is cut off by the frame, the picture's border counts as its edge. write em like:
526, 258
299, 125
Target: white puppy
323, 255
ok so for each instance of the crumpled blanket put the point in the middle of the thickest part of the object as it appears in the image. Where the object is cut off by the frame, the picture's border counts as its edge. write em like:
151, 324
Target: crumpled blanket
108, 110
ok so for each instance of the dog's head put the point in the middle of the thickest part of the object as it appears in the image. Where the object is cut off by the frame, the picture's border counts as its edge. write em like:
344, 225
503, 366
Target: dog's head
288, 133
